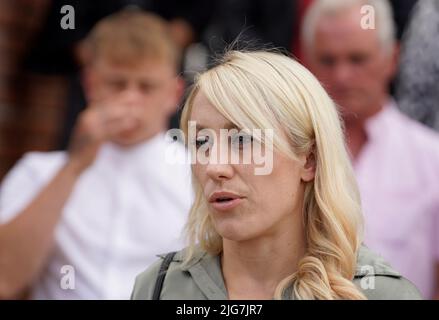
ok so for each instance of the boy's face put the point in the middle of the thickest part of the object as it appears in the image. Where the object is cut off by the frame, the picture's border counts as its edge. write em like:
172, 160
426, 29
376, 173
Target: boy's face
146, 92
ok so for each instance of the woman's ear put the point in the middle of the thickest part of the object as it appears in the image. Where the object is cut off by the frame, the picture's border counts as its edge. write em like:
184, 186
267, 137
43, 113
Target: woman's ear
309, 168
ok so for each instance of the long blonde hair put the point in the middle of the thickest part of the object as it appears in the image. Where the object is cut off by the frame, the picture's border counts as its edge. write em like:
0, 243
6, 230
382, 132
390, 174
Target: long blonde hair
268, 90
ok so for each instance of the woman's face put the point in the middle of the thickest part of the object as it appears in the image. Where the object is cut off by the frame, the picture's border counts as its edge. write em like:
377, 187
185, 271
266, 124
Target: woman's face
245, 206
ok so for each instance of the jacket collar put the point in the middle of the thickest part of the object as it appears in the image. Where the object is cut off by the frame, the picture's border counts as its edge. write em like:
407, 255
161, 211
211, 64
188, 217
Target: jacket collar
205, 270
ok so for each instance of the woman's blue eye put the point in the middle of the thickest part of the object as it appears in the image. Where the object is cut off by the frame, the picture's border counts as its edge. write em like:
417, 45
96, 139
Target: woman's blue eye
201, 141
242, 139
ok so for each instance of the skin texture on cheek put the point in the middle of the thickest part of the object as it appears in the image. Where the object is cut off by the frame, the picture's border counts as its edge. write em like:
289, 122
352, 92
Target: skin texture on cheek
265, 211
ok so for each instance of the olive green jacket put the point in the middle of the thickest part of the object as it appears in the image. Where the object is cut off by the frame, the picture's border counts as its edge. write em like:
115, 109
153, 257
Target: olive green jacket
202, 279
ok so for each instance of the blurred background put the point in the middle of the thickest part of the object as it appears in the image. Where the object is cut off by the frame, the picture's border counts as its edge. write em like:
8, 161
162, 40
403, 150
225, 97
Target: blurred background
40, 92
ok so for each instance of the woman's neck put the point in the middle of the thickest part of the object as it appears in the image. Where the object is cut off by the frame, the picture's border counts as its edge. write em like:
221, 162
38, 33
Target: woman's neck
253, 269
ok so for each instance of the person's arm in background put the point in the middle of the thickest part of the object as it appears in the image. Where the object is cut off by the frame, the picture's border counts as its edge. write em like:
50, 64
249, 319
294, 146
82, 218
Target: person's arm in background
26, 240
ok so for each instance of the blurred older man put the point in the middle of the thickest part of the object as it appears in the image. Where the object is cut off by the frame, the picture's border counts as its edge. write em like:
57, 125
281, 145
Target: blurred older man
350, 46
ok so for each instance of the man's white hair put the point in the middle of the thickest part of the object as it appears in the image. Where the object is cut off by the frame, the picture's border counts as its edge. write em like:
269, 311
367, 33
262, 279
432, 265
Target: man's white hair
382, 11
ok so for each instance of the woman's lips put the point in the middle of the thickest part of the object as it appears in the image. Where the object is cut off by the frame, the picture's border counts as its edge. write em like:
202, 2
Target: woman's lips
224, 200
226, 204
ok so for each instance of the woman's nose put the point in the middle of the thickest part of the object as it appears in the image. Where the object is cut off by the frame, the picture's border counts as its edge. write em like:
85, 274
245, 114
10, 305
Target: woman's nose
219, 171
219, 166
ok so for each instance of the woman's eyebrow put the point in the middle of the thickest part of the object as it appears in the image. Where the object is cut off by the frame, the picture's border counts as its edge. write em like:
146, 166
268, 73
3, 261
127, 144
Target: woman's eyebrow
227, 125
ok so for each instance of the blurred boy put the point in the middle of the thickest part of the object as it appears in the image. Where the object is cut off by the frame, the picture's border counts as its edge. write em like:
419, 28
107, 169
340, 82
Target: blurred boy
82, 224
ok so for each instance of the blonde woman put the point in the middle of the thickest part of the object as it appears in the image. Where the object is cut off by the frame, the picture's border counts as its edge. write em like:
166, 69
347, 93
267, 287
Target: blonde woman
291, 233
